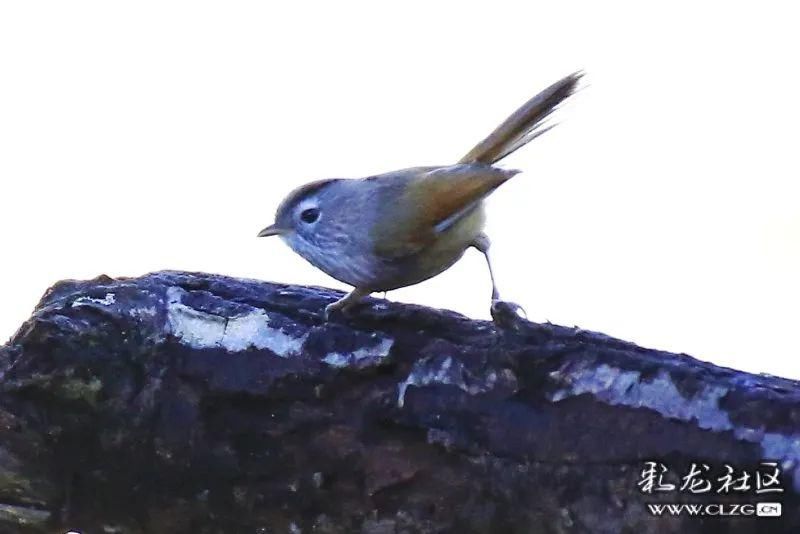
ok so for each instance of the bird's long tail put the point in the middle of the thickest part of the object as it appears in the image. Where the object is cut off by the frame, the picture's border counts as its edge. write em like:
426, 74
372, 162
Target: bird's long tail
524, 125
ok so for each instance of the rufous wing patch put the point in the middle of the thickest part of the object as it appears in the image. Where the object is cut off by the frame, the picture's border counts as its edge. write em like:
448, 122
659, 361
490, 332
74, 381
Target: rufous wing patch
433, 201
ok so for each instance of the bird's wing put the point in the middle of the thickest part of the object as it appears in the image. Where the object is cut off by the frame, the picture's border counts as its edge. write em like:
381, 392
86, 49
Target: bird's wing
429, 203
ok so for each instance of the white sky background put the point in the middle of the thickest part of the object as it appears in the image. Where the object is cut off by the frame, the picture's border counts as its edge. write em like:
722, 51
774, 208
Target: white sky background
664, 208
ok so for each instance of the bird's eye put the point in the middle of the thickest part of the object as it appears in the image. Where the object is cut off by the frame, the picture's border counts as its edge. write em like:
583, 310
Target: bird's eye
310, 215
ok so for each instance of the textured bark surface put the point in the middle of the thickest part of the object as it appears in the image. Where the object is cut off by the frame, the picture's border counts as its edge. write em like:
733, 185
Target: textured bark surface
181, 402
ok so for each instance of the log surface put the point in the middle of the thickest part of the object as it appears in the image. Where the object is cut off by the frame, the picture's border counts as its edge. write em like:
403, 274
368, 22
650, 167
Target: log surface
184, 402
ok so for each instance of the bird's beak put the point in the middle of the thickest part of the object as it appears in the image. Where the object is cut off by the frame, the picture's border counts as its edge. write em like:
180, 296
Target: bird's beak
272, 230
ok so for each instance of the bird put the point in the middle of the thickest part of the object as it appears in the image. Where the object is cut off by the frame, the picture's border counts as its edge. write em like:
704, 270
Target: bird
399, 228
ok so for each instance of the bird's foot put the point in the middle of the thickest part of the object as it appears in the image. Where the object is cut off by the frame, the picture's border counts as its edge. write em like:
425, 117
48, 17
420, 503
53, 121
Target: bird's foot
338, 306
507, 315
345, 303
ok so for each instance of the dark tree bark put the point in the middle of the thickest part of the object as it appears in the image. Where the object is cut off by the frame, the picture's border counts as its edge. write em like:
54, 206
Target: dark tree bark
195, 403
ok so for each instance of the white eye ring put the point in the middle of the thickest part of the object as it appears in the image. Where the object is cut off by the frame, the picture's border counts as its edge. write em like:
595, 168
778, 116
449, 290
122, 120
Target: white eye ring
308, 211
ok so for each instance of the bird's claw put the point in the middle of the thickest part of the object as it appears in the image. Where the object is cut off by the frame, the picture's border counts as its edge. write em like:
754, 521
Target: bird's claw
507, 315
340, 306
329, 310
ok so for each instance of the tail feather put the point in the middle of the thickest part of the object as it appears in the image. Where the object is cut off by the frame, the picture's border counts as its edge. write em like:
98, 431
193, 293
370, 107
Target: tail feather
524, 125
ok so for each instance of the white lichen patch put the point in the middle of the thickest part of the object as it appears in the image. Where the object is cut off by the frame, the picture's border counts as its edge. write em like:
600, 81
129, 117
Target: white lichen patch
139, 313
24, 516
204, 330
449, 372
618, 386
419, 376
108, 300
623, 387
362, 357
253, 330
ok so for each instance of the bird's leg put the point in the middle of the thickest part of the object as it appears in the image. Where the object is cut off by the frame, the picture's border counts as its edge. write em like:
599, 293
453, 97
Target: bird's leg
346, 302
482, 243
502, 312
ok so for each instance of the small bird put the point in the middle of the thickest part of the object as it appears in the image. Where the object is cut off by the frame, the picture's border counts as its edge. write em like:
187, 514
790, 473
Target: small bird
399, 228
